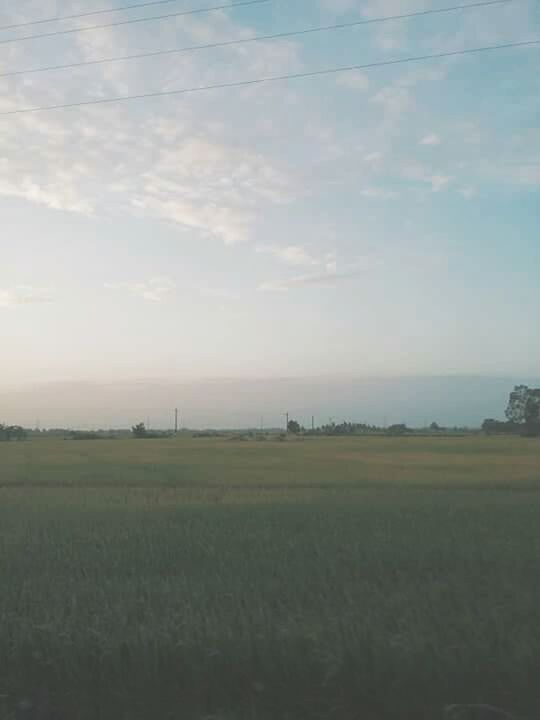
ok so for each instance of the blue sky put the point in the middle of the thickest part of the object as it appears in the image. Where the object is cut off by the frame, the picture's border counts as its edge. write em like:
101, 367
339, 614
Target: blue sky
376, 223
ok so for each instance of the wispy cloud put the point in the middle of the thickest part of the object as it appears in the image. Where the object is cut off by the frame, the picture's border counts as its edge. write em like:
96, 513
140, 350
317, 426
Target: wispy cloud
354, 80
24, 295
396, 102
328, 279
378, 193
439, 182
467, 192
421, 173
188, 169
431, 139
153, 290
290, 254
218, 294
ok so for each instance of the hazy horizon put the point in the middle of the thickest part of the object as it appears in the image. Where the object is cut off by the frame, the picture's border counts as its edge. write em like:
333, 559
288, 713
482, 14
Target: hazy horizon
235, 403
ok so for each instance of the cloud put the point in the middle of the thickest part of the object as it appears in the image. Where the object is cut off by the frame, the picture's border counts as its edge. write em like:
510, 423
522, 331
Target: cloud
24, 295
231, 225
378, 192
421, 173
180, 174
338, 6
394, 35
55, 189
192, 167
354, 80
431, 139
218, 294
297, 255
153, 290
291, 254
330, 263
327, 279
525, 173
396, 102
374, 159
439, 182
467, 192
216, 166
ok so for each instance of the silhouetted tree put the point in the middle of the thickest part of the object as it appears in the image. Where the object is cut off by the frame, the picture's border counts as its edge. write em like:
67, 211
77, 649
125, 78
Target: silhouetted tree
532, 417
524, 409
532, 410
139, 431
293, 427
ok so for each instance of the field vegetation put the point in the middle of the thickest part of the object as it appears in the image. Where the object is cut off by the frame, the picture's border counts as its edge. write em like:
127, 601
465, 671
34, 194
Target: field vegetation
314, 578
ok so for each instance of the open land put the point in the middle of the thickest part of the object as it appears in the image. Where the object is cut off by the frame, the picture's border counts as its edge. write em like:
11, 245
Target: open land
376, 578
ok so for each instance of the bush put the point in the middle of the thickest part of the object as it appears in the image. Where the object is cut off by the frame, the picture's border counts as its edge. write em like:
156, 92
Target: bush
398, 429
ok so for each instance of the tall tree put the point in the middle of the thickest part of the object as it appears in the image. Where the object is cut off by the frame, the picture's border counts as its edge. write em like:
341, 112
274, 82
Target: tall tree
515, 412
532, 410
524, 408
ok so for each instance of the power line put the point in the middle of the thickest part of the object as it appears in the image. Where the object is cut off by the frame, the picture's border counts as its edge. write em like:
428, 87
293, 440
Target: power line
197, 11
105, 11
271, 78
257, 38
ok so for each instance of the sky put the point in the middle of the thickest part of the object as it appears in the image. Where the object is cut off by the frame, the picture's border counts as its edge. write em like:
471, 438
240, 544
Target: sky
371, 224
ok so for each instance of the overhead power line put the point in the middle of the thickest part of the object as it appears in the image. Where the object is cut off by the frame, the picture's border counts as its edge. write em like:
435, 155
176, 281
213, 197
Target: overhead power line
271, 78
132, 21
105, 11
257, 38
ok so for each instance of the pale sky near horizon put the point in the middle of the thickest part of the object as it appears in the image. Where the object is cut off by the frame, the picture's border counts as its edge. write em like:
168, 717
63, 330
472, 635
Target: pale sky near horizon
383, 222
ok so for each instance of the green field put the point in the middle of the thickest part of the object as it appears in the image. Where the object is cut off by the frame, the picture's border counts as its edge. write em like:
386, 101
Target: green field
321, 578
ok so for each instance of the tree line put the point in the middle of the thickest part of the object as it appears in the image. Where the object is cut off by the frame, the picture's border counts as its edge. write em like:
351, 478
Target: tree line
11, 432
522, 418
342, 428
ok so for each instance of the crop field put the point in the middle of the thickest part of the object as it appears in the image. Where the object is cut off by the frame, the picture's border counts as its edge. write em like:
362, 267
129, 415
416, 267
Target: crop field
377, 578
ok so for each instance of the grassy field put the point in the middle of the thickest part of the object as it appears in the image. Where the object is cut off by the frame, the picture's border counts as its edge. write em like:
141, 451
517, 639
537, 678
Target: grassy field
329, 578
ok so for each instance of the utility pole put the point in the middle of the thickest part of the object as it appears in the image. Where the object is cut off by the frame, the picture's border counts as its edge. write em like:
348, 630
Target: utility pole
176, 421
313, 422
287, 416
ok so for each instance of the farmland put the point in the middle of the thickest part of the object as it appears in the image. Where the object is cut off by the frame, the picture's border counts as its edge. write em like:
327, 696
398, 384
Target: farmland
319, 578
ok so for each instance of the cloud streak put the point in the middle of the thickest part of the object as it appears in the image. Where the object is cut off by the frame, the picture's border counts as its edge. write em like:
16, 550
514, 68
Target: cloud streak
154, 290
431, 139
24, 295
324, 280
290, 254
